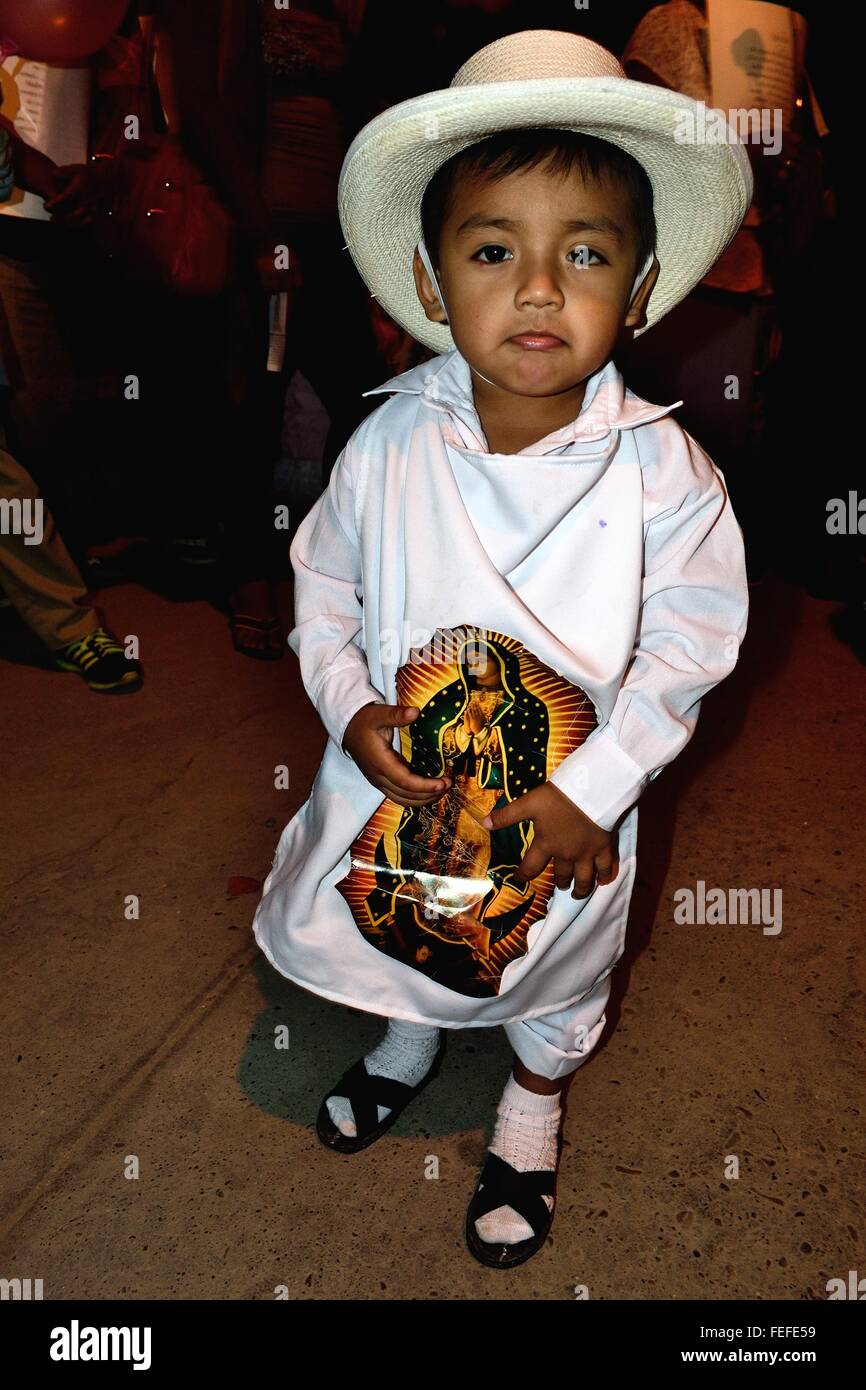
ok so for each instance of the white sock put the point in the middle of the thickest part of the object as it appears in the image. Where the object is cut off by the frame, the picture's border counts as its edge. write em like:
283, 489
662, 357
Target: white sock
525, 1135
405, 1053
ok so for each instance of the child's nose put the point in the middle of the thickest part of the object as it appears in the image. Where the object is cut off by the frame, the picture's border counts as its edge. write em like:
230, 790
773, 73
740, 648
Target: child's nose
540, 289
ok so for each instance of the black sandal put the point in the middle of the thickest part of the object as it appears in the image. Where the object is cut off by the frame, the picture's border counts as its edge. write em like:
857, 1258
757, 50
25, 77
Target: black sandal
364, 1092
504, 1186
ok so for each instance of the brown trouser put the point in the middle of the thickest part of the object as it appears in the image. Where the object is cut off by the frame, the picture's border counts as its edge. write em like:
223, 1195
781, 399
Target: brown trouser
41, 580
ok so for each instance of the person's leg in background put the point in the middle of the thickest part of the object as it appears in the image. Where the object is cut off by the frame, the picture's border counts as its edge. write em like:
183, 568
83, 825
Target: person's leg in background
46, 588
706, 354
547, 1051
807, 473
331, 332
61, 378
252, 446
37, 572
330, 339
174, 410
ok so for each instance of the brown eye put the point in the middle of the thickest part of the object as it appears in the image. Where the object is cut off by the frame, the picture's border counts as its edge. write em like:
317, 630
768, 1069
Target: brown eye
492, 246
584, 256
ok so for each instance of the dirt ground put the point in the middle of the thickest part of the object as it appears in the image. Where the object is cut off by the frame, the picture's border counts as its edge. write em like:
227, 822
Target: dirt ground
156, 1144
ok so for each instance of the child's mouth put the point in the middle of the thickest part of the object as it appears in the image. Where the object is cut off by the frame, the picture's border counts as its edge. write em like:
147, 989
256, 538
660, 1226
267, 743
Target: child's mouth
536, 341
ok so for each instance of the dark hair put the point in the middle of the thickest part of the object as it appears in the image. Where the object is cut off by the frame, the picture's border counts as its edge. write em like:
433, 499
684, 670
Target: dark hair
509, 151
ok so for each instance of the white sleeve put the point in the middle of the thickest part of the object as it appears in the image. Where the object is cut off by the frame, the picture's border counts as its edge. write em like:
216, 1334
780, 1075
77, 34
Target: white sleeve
694, 606
329, 614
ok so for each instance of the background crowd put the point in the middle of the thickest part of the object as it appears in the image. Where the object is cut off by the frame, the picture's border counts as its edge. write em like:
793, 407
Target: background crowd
144, 362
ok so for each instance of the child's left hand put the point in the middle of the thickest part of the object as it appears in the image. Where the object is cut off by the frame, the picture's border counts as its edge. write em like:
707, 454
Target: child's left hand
579, 848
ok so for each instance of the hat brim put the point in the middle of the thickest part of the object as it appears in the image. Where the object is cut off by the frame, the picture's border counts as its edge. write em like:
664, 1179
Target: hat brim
701, 191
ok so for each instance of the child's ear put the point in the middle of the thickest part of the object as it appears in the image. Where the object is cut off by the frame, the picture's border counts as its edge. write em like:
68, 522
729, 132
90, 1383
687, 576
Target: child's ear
425, 291
637, 308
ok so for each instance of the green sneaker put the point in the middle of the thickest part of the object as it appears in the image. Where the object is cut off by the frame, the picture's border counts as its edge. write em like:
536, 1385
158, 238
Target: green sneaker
101, 660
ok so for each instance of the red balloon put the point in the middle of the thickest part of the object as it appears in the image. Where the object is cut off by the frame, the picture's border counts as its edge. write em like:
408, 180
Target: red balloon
58, 31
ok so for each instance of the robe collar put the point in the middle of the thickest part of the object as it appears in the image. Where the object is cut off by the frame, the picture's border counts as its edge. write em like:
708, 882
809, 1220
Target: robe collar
445, 383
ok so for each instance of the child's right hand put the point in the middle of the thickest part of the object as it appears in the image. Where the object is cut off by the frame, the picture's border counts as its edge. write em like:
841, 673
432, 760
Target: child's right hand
368, 741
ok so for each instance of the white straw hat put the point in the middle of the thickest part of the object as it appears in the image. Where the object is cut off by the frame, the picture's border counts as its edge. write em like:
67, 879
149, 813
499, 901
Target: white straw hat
539, 78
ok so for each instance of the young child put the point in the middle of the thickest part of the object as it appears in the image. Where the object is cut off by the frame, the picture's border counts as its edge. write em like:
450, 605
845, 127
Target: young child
511, 598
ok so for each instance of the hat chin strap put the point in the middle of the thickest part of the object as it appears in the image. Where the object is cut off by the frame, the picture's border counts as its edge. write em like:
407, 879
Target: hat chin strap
425, 257
647, 266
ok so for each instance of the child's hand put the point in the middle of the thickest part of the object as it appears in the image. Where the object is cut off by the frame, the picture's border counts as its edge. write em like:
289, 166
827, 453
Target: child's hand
579, 848
368, 741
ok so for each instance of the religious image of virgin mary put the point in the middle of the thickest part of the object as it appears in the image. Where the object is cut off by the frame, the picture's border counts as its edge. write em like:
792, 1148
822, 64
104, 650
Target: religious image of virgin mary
445, 892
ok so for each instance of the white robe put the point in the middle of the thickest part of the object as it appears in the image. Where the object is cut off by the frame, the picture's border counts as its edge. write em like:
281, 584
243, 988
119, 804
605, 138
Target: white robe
607, 550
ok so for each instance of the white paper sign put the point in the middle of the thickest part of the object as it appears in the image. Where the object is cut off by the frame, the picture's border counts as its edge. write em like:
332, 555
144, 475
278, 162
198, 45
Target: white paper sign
757, 55
49, 107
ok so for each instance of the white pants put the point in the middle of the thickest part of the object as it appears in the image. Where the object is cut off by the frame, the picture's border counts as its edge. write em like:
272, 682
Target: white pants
556, 1044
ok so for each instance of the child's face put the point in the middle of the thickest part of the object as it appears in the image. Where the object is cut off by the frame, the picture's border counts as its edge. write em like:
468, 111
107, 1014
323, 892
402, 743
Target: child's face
525, 273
